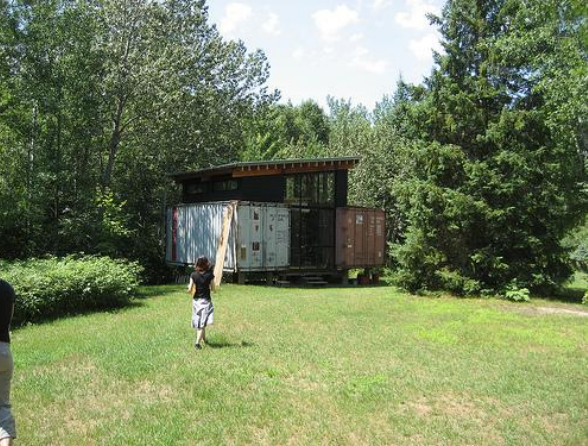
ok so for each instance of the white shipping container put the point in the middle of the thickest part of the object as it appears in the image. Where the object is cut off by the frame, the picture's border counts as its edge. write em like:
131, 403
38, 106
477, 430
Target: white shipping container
259, 238
263, 237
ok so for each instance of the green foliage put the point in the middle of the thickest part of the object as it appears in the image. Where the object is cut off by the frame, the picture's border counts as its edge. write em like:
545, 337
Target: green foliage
111, 96
113, 222
516, 294
284, 131
577, 242
487, 186
52, 287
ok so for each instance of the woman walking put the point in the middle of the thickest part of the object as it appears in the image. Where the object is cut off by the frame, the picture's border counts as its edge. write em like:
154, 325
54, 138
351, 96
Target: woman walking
202, 310
7, 429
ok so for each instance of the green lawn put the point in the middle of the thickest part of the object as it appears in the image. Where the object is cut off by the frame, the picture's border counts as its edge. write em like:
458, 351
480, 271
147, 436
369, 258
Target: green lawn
307, 367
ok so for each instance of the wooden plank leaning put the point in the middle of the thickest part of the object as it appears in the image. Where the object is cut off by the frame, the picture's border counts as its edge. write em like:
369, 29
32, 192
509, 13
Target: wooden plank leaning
223, 242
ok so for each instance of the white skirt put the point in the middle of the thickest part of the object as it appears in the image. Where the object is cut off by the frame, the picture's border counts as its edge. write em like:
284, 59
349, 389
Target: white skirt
202, 313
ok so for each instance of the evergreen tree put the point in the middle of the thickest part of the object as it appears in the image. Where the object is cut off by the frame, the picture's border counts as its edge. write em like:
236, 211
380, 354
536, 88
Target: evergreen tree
485, 187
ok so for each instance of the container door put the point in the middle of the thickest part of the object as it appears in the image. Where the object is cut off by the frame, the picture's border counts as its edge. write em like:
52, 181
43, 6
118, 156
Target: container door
276, 237
371, 237
359, 238
282, 237
250, 250
270, 243
380, 246
345, 237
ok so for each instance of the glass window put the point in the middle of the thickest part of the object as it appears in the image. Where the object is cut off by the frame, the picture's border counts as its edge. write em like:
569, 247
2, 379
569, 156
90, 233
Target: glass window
195, 188
292, 190
310, 189
219, 186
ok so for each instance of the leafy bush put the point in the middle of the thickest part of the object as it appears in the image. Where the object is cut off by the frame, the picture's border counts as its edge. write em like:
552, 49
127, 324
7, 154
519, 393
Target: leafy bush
53, 287
585, 298
516, 294
458, 284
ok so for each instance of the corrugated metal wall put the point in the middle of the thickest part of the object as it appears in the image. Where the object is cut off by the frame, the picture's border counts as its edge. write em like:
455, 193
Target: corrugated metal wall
361, 237
259, 238
194, 230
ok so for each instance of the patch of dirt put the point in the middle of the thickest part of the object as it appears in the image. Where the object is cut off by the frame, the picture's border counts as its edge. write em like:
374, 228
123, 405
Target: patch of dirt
462, 411
151, 392
538, 311
555, 423
420, 407
552, 310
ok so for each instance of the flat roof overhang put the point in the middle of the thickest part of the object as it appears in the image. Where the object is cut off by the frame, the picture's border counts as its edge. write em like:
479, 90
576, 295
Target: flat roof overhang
275, 167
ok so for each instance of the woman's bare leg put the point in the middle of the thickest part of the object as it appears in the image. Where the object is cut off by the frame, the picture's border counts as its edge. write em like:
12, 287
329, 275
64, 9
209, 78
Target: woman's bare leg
199, 336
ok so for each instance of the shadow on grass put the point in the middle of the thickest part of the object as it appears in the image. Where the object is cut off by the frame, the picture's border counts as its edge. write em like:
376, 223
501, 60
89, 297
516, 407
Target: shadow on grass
46, 319
146, 292
569, 295
143, 293
305, 286
225, 344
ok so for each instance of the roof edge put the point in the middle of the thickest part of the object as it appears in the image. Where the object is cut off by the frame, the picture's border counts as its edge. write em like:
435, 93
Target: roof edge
252, 165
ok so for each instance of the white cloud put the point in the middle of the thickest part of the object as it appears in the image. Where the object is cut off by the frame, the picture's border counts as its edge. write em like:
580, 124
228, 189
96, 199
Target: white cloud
416, 17
372, 66
331, 22
356, 37
362, 60
361, 51
379, 4
272, 24
422, 48
235, 15
299, 53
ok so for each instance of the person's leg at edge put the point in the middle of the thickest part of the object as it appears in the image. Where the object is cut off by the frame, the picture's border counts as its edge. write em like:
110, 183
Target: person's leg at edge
6, 371
199, 337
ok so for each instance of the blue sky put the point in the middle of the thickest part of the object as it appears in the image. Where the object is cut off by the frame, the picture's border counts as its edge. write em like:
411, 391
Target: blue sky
350, 49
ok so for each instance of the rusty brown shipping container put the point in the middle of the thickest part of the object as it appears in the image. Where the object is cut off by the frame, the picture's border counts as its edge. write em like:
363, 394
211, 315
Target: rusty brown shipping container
361, 238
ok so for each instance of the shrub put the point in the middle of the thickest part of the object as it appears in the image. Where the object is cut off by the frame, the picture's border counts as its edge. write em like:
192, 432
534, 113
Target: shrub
52, 287
458, 284
516, 294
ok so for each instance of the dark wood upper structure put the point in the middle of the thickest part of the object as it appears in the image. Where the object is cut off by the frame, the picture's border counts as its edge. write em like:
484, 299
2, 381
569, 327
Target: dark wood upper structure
304, 182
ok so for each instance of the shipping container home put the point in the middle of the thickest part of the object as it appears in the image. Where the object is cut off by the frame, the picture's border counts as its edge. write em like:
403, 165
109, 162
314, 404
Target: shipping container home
287, 217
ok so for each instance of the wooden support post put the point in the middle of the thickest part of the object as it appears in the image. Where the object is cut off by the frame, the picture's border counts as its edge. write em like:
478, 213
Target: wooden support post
223, 242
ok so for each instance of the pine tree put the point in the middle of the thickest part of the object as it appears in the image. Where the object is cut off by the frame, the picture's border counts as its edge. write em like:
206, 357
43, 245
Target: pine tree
486, 188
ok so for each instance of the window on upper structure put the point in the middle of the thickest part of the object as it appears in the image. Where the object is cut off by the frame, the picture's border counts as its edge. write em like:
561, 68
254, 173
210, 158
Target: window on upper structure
310, 189
219, 186
195, 188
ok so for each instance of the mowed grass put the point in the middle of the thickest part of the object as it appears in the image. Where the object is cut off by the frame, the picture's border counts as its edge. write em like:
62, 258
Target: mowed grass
331, 366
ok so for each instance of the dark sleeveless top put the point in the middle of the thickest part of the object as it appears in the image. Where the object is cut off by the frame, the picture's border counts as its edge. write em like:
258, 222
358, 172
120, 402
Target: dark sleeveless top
202, 281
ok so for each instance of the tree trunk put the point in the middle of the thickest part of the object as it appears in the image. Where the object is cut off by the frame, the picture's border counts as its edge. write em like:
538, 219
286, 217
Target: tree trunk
113, 144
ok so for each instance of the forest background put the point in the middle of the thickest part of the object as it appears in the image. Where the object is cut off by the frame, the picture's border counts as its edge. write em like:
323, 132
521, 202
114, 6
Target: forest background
481, 168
